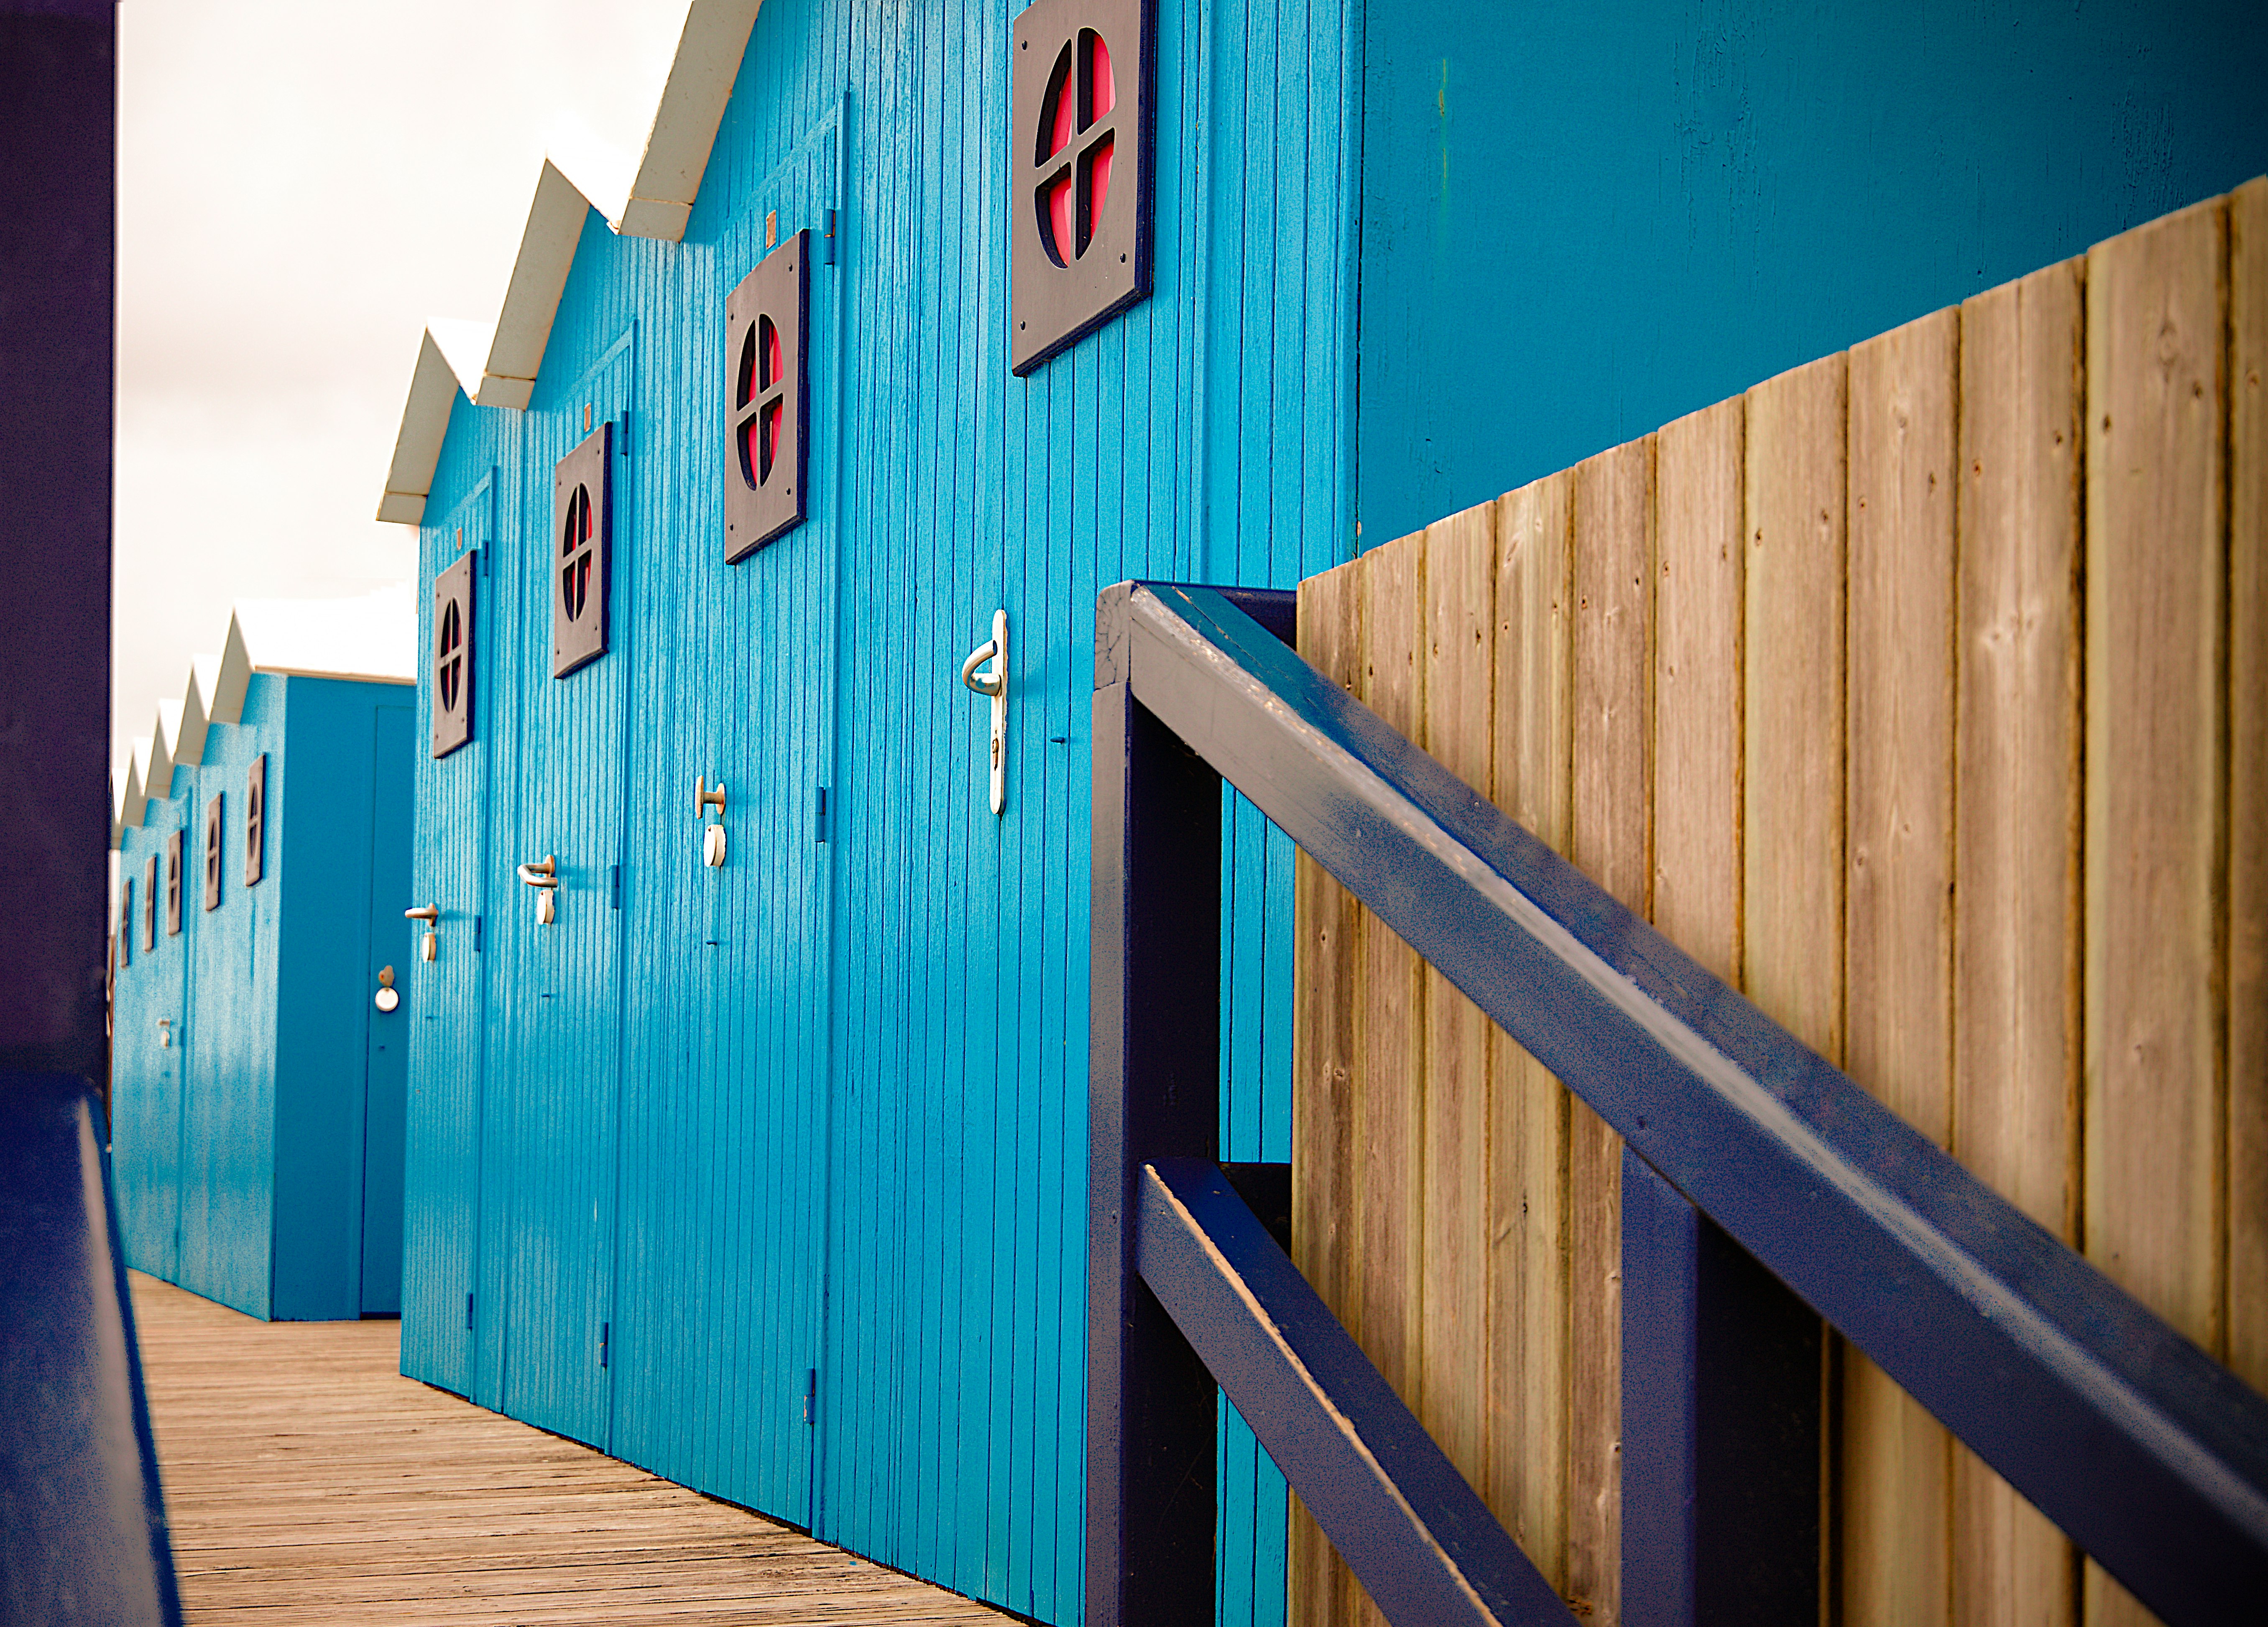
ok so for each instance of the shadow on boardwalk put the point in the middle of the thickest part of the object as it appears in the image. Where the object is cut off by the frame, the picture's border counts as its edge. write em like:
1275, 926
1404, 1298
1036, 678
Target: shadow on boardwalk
307, 1481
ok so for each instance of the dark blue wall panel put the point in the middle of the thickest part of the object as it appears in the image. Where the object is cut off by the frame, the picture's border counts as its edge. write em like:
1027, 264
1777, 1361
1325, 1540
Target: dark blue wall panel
1580, 221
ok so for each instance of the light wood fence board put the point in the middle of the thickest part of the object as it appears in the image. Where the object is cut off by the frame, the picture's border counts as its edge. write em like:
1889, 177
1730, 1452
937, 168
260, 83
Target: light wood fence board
1923, 692
1792, 790
1697, 685
1898, 915
1610, 838
2247, 903
1526, 1481
2016, 890
1329, 1009
2157, 790
1460, 698
1391, 1265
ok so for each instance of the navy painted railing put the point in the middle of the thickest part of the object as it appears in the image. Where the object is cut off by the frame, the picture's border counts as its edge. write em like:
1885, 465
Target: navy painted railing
1759, 1182
82, 1525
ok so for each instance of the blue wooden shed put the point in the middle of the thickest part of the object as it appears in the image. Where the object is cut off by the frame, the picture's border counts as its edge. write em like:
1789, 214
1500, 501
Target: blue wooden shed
748, 1113
257, 1086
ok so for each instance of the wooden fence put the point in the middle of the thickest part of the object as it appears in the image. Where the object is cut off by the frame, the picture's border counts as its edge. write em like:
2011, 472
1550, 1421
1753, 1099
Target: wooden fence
1921, 692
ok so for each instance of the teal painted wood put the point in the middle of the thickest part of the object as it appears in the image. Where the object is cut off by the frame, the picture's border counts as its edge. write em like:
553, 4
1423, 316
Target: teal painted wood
1681, 199
849, 1136
227, 1132
386, 1075
148, 1019
559, 996
446, 999
240, 1150
725, 1095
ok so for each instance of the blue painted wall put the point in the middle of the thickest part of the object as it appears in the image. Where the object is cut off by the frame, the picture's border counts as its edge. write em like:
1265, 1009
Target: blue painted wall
1580, 221
823, 1111
239, 1153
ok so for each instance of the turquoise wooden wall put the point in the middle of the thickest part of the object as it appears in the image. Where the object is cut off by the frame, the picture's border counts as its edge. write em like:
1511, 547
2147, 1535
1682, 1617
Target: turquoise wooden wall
823, 1110
1581, 221
241, 1153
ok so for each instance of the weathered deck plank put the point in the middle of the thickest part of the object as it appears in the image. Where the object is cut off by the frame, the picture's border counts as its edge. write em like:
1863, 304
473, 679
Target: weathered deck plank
307, 1481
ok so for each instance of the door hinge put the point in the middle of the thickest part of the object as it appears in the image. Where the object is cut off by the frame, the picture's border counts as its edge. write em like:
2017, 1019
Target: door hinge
606, 1332
811, 1395
623, 435
469, 1313
827, 236
820, 827
615, 883
478, 922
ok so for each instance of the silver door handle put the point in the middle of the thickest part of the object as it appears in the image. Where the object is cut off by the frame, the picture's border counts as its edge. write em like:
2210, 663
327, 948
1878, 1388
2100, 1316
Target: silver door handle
545, 874
995, 684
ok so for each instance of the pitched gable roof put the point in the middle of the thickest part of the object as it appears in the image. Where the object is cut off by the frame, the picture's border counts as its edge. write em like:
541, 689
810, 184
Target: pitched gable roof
657, 205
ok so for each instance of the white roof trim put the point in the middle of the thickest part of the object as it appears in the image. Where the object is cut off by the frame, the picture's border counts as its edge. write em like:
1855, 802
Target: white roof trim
131, 801
235, 671
659, 203
157, 764
434, 389
531, 301
190, 744
685, 124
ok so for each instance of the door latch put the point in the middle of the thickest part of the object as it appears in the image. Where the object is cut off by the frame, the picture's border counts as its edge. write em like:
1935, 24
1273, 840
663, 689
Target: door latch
545, 879
712, 838
386, 999
994, 683
430, 941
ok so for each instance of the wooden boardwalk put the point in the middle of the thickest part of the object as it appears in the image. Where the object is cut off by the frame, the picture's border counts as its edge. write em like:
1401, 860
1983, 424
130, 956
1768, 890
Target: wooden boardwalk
306, 1480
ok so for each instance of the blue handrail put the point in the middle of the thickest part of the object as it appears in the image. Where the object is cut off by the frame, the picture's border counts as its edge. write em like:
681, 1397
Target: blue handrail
2148, 1453
82, 1524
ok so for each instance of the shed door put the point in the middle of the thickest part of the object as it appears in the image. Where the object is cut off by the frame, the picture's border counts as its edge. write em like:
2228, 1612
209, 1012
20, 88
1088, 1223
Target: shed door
723, 1261
553, 1077
386, 1074
444, 1000
146, 1076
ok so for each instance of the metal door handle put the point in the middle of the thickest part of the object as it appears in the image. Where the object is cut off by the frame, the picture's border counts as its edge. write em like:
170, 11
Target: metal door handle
545, 879
430, 943
995, 684
424, 912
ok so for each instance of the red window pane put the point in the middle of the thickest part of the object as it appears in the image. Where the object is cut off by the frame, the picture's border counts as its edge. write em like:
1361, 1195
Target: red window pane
752, 449
744, 390
1103, 94
771, 427
1057, 122
769, 353
1097, 164
1055, 227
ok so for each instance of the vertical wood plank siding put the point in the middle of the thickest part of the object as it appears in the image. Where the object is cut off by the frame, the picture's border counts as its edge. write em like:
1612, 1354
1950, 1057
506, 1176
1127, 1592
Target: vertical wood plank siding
2016, 845
1898, 922
829, 1105
1804, 676
2155, 1189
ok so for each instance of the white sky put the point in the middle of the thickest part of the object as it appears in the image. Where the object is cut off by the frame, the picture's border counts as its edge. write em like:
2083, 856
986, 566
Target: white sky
301, 187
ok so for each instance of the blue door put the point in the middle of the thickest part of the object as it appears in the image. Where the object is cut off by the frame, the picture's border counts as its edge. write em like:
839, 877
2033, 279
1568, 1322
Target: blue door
146, 1106
444, 1000
723, 1260
385, 1073
554, 1078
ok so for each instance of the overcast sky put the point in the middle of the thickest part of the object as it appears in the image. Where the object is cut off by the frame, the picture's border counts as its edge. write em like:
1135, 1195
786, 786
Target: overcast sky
301, 187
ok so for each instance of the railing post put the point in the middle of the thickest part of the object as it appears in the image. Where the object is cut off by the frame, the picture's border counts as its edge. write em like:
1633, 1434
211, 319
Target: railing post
1720, 1424
1155, 1089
